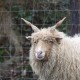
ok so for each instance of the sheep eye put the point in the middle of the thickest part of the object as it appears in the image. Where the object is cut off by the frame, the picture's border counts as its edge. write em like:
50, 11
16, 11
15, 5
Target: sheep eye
35, 42
50, 41
45, 40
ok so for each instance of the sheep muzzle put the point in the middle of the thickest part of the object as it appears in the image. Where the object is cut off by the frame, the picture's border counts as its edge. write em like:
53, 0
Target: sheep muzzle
40, 54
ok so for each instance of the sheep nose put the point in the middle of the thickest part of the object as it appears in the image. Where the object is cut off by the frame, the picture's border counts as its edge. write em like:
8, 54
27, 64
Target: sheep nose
39, 52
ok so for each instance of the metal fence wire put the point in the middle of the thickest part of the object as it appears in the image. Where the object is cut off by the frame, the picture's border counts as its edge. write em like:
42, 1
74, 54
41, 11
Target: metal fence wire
14, 47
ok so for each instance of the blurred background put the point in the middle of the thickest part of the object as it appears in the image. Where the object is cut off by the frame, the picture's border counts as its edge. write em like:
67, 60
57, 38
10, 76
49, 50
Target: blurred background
14, 47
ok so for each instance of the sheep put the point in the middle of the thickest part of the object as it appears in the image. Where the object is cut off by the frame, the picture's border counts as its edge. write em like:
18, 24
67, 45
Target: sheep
53, 54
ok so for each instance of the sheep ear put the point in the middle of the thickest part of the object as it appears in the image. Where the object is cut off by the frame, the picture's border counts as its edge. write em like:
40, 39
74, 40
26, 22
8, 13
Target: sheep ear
28, 37
30, 24
57, 24
58, 39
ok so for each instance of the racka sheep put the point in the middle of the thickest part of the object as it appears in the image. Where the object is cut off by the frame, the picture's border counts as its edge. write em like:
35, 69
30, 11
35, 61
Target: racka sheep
53, 54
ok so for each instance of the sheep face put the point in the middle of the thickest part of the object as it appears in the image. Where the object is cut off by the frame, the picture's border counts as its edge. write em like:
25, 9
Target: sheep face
42, 42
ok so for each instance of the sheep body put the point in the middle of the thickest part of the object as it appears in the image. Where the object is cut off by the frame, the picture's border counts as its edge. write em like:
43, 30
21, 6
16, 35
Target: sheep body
63, 63
53, 54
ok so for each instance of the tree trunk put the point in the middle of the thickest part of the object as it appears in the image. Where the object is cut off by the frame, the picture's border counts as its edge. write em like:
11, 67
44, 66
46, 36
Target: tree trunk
79, 15
74, 16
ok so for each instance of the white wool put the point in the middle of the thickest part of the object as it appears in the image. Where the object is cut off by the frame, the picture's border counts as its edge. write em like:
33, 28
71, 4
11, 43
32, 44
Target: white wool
63, 63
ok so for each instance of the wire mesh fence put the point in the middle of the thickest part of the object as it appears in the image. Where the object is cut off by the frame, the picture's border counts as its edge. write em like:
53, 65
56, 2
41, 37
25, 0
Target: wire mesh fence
14, 48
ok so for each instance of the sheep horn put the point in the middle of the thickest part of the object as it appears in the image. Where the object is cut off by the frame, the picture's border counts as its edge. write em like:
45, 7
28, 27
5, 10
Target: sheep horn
30, 24
59, 23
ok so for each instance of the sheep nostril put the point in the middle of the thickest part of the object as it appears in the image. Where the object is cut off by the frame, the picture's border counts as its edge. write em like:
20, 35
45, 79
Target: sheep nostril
40, 52
40, 55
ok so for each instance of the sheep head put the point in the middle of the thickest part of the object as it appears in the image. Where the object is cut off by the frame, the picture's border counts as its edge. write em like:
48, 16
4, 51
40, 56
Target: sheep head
43, 40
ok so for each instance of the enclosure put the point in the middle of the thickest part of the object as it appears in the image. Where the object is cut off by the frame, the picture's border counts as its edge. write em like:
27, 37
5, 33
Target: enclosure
14, 47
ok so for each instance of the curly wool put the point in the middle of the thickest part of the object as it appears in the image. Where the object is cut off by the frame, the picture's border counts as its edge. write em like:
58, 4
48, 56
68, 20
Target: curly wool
63, 62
